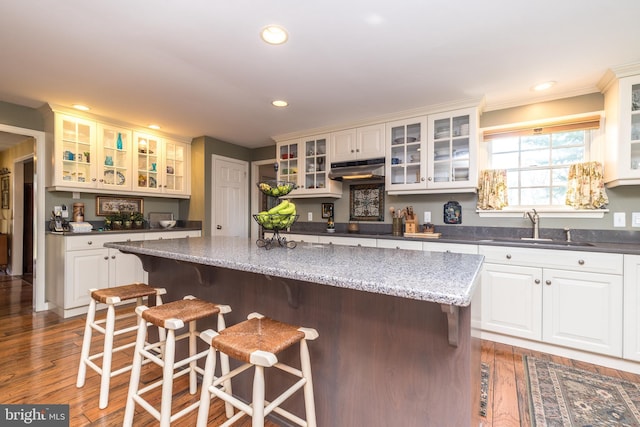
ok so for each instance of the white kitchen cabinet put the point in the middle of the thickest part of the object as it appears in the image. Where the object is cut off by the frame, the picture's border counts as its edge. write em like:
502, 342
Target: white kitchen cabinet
568, 298
300, 238
512, 300
79, 263
399, 244
114, 160
178, 234
366, 142
583, 310
74, 153
89, 155
456, 248
451, 161
308, 168
436, 153
622, 108
406, 166
161, 165
347, 241
631, 339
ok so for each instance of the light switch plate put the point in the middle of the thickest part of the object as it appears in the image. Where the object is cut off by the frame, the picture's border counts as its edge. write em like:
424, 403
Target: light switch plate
619, 219
427, 217
635, 219
309, 216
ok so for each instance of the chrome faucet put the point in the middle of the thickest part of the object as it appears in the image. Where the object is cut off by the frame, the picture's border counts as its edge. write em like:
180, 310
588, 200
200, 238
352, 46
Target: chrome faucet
535, 219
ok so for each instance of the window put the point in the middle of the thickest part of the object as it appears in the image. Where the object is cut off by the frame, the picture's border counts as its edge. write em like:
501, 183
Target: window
537, 159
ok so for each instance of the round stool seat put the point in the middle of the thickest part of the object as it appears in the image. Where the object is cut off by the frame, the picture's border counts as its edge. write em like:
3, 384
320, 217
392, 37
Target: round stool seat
122, 293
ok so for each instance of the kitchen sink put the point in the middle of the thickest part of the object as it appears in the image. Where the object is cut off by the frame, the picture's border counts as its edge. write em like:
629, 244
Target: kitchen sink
531, 241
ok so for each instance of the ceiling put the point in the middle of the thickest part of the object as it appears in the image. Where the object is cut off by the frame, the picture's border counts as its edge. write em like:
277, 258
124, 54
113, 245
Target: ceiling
199, 67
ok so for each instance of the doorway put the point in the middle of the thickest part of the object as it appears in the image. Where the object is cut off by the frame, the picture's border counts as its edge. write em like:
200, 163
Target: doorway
229, 201
37, 220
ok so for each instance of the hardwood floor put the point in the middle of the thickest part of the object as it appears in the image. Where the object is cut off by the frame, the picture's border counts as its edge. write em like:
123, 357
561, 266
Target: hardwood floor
40, 351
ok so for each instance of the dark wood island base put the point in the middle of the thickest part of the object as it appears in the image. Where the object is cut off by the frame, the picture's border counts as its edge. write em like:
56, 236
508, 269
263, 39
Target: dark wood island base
379, 361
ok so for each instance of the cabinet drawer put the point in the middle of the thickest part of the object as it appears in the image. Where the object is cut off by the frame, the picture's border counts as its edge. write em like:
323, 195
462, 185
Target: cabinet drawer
456, 248
348, 241
92, 241
399, 244
596, 262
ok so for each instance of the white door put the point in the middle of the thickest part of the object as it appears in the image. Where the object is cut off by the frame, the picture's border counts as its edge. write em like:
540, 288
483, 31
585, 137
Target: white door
229, 202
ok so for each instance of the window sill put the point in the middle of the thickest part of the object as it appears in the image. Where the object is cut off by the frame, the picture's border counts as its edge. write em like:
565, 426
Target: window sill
544, 213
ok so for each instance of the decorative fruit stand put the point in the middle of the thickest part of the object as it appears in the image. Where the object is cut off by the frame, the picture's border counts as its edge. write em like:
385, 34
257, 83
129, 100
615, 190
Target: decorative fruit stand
279, 217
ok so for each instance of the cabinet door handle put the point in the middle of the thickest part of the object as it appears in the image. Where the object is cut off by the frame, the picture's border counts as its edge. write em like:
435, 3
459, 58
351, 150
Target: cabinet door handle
581, 261
548, 282
508, 256
537, 281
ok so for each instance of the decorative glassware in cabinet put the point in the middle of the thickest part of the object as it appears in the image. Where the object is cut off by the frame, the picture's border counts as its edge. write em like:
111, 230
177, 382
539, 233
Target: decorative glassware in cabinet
115, 151
147, 162
76, 143
174, 166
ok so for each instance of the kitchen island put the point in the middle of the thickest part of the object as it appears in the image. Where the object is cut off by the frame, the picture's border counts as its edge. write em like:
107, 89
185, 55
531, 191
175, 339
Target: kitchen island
396, 345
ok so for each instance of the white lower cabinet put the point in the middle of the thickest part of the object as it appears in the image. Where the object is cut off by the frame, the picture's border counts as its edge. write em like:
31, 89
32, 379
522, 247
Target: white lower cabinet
456, 248
75, 264
524, 296
631, 349
399, 244
348, 241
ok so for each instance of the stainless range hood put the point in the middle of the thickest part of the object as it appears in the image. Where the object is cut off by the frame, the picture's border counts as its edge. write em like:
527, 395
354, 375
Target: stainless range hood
357, 170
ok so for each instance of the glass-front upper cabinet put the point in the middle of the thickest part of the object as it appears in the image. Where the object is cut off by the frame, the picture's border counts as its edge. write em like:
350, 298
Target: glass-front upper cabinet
175, 166
406, 149
288, 161
315, 163
622, 143
146, 162
114, 157
75, 151
452, 148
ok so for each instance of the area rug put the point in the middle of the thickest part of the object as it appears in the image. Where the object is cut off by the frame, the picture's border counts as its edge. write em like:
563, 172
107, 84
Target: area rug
484, 388
564, 396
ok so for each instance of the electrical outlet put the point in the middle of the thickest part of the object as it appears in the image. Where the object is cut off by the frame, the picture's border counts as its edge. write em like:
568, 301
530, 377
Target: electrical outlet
635, 219
309, 216
427, 217
619, 219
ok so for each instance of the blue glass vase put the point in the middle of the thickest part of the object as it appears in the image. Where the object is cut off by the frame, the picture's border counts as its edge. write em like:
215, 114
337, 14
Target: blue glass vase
119, 142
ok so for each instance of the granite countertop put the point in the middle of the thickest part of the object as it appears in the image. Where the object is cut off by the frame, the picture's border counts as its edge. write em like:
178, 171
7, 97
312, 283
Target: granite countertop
445, 278
619, 242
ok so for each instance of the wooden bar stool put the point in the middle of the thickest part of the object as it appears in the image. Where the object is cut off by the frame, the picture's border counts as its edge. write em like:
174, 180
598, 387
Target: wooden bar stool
171, 316
257, 342
107, 327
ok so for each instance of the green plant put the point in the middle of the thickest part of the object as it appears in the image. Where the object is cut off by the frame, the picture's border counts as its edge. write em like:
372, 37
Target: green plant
137, 216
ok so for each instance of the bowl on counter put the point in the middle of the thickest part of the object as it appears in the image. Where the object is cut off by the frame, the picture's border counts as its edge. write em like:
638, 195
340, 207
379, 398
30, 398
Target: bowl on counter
167, 223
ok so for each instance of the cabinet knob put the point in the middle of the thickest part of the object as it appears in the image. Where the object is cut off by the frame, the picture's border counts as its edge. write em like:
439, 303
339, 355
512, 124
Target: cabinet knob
429, 179
128, 240
89, 242
106, 258
537, 281
548, 282
357, 150
352, 151
508, 256
581, 261
113, 257
101, 180
422, 179
218, 227
93, 179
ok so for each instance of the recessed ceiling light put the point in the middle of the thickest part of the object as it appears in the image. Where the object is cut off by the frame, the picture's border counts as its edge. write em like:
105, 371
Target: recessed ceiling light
274, 34
156, 127
81, 107
279, 103
543, 86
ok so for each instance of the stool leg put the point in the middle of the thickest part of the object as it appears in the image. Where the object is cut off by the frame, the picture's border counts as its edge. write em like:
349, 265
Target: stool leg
135, 373
309, 402
224, 369
205, 394
167, 379
86, 343
257, 419
109, 327
193, 379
